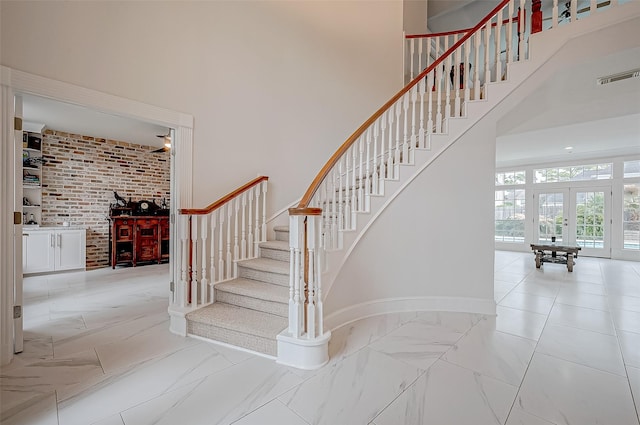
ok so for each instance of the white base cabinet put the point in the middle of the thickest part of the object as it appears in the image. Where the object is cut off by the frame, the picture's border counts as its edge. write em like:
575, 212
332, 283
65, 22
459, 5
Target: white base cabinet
50, 250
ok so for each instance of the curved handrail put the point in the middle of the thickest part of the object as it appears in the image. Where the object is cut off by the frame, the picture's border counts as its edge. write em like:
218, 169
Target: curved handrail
224, 199
324, 171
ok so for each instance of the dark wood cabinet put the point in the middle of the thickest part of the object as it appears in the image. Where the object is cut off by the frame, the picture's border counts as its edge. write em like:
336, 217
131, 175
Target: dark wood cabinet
139, 239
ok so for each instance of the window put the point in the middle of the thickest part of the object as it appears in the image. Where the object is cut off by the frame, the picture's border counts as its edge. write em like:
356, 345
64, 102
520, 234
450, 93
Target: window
631, 217
510, 177
509, 215
573, 173
632, 169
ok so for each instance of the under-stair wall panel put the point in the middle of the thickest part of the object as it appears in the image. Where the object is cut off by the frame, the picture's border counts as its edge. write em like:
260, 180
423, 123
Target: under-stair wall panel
432, 247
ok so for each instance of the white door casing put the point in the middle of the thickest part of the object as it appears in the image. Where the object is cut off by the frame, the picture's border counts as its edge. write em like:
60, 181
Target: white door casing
17, 82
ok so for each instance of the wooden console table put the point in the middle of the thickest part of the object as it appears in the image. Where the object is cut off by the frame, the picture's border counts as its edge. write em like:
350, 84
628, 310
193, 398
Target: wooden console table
137, 239
552, 253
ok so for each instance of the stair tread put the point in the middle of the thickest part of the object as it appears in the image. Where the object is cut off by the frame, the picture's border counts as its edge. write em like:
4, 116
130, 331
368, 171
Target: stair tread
266, 264
279, 245
240, 319
255, 289
281, 228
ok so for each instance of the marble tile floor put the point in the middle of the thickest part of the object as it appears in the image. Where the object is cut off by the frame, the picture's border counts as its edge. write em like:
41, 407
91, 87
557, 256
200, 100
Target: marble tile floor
563, 349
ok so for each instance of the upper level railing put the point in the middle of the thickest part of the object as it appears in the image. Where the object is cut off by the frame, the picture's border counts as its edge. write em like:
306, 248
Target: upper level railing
212, 239
421, 50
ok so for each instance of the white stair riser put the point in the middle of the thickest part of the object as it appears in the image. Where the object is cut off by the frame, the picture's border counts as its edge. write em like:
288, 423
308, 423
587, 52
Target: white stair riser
271, 307
275, 254
282, 235
216, 333
263, 276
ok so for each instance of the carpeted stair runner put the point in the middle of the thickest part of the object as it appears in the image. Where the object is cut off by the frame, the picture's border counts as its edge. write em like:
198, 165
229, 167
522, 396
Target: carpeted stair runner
252, 310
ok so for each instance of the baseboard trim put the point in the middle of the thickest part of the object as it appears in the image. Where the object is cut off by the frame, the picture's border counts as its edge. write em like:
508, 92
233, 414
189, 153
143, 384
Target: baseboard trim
409, 304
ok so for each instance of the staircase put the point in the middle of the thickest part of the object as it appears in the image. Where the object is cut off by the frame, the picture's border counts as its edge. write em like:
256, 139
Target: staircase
252, 309
263, 308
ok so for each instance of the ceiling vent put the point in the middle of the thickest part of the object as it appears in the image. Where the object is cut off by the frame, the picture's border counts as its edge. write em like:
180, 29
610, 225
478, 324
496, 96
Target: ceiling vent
634, 73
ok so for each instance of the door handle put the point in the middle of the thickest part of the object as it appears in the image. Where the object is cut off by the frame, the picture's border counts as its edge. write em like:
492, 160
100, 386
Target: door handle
59, 240
52, 240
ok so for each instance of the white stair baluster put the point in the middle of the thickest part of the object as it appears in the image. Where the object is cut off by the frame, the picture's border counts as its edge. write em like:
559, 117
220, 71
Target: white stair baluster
229, 256
521, 26
446, 71
420, 53
405, 129
335, 213
411, 56
194, 260
236, 234
360, 143
554, 14
212, 253
221, 244
498, 41
256, 228
390, 174
397, 154
243, 240
509, 38
477, 66
367, 185
438, 77
263, 227
354, 195
250, 237
347, 192
376, 162
457, 75
466, 77
341, 187
574, 10
487, 60
204, 282
421, 131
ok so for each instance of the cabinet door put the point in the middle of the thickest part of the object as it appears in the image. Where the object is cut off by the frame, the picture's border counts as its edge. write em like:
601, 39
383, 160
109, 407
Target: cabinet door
70, 249
38, 250
147, 240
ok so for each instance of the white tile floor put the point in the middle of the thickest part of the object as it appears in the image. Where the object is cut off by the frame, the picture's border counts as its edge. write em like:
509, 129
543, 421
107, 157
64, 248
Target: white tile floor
563, 349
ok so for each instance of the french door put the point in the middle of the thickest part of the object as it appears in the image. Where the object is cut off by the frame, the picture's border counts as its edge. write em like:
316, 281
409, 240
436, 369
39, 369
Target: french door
575, 216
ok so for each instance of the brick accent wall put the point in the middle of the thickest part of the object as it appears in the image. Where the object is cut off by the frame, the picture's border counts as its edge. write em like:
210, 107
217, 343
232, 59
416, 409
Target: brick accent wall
80, 176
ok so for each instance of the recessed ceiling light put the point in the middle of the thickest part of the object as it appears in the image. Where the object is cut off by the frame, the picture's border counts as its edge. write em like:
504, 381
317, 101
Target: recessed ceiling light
568, 148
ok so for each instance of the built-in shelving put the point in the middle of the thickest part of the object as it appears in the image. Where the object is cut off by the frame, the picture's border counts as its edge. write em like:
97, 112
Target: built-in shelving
32, 178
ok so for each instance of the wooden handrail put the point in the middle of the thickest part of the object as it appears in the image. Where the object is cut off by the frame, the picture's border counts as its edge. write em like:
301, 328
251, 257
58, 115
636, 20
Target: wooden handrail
224, 199
464, 31
315, 184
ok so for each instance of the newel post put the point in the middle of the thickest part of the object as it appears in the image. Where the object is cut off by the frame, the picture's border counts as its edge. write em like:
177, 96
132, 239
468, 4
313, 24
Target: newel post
536, 16
304, 344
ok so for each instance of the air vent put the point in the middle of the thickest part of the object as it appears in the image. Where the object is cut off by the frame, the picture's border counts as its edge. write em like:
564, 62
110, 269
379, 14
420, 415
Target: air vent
634, 73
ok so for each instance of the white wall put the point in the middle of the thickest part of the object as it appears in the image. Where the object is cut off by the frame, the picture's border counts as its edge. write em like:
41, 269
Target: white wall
274, 87
435, 240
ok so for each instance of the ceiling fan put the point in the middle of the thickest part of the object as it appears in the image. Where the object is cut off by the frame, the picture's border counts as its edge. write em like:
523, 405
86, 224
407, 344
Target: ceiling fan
167, 142
566, 13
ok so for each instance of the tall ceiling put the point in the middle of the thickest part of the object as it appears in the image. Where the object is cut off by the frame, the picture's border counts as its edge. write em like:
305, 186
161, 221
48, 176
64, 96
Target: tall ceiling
570, 111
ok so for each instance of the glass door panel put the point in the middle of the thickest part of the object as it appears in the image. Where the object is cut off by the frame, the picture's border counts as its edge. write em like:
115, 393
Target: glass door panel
551, 219
591, 220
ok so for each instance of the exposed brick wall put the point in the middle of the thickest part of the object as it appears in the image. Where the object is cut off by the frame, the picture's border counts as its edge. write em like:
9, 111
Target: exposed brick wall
80, 176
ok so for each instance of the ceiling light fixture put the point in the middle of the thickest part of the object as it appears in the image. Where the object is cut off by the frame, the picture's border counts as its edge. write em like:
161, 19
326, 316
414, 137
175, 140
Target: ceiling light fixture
568, 148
